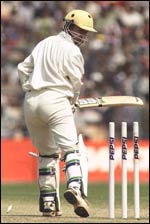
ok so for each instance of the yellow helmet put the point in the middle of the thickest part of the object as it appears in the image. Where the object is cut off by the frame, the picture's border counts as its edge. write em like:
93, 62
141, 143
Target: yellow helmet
81, 19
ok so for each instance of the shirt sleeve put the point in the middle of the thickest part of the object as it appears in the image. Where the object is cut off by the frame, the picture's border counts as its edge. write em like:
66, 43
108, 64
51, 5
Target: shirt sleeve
25, 69
74, 72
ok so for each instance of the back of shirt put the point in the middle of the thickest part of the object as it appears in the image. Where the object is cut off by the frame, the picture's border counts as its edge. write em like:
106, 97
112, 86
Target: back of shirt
56, 63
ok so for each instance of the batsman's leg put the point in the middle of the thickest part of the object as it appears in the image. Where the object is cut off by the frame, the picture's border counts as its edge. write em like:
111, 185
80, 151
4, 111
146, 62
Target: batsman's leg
49, 201
74, 192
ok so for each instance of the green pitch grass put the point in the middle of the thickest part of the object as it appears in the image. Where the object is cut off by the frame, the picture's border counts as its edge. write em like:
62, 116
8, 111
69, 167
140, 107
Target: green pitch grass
24, 200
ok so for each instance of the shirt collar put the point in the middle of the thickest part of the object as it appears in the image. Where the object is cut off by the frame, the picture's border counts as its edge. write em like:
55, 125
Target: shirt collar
66, 36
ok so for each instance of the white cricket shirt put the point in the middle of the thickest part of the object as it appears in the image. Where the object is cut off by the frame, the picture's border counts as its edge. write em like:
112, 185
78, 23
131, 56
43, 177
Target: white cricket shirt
55, 63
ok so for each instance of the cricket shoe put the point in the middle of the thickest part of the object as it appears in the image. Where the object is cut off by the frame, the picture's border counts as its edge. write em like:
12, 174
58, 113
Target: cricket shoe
49, 210
74, 197
52, 214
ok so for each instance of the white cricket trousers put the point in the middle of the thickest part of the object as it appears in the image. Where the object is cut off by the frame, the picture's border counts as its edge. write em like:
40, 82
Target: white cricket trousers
50, 122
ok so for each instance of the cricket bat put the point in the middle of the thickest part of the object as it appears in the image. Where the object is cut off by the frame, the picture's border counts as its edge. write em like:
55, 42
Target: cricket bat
109, 101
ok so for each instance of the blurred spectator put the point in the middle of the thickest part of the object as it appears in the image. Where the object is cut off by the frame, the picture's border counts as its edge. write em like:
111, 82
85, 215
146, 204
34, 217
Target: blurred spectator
116, 59
129, 15
145, 119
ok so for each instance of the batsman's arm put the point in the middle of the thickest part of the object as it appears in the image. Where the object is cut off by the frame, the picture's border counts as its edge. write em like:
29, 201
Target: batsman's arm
25, 69
74, 70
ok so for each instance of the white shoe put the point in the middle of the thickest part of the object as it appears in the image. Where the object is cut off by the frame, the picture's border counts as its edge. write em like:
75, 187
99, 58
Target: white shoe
49, 214
80, 206
50, 210
52, 213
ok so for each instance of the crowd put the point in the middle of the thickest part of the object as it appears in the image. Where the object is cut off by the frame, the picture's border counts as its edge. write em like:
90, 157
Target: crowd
116, 60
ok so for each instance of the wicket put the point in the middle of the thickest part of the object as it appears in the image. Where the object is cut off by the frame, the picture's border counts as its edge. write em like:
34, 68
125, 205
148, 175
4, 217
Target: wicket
111, 211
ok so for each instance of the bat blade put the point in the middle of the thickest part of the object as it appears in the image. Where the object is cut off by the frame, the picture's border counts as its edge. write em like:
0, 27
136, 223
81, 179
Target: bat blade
109, 101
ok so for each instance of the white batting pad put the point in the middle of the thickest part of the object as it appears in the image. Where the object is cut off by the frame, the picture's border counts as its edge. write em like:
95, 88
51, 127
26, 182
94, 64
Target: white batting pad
48, 180
73, 171
83, 164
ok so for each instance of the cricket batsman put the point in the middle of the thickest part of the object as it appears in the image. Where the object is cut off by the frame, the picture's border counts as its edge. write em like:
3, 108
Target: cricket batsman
52, 78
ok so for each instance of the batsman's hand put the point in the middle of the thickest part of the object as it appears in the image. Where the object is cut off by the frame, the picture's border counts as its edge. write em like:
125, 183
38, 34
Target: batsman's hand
74, 108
